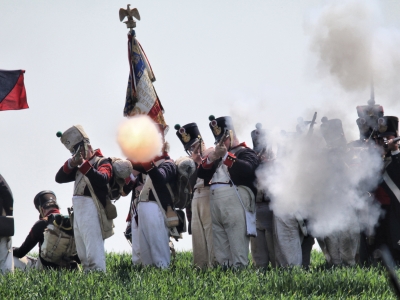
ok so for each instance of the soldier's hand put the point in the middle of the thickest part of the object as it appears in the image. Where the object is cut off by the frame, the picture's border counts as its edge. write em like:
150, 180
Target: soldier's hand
196, 153
220, 150
77, 159
392, 146
212, 156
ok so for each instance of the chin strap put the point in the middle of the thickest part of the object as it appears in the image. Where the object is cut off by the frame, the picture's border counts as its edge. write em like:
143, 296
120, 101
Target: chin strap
231, 138
41, 211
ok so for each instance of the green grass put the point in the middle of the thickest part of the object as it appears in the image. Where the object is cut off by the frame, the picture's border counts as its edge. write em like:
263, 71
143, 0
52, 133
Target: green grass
182, 281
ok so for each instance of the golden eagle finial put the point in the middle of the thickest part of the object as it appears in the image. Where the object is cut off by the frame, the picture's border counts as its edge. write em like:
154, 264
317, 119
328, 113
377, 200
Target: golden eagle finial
129, 13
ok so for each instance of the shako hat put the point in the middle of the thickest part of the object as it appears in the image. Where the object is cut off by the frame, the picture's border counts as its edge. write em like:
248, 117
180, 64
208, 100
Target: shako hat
72, 137
332, 131
369, 119
220, 125
188, 134
259, 137
44, 199
388, 126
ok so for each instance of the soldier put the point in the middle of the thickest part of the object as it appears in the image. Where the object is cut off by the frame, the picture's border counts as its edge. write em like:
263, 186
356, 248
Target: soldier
340, 247
231, 167
46, 204
292, 241
91, 174
6, 206
150, 234
262, 246
387, 231
200, 225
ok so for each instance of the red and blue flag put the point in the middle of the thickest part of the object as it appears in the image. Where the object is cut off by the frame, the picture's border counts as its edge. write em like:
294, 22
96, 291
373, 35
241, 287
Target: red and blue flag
141, 96
12, 90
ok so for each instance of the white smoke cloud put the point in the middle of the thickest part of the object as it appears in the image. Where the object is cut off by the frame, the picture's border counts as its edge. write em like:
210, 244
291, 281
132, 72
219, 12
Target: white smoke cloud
329, 188
353, 46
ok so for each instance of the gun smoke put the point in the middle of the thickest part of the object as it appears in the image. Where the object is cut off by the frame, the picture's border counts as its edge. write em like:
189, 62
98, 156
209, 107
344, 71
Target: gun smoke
353, 47
327, 187
330, 187
139, 139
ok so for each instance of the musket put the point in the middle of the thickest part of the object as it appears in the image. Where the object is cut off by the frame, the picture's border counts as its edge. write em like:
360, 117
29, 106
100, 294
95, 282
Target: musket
311, 129
71, 215
393, 140
372, 100
70, 211
224, 137
262, 152
389, 264
201, 146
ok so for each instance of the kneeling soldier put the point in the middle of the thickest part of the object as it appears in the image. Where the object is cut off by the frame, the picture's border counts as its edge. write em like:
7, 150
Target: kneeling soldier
46, 203
6, 209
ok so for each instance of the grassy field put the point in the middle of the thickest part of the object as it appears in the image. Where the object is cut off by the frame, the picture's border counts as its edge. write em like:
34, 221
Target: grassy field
182, 281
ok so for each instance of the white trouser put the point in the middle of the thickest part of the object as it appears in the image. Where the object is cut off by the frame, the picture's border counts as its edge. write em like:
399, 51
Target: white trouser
231, 243
6, 255
202, 237
153, 235
25, 263
87, 231
135, 243
341, 248
262, 246
287, 241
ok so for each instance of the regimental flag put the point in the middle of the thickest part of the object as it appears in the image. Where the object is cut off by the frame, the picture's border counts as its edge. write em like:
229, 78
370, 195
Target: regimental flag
141, 97
12, 90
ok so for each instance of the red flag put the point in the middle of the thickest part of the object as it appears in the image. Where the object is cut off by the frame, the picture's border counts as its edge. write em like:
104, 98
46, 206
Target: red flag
12, 90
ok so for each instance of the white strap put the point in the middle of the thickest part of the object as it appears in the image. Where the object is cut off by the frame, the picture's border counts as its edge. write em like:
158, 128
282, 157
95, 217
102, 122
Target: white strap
387, 162
392, 186
171, 192
89, 185
94, 197
149, 184
159, 203
144, 193
79, 184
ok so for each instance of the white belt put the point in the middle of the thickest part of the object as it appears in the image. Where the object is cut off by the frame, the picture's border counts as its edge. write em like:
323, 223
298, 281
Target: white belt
217, 186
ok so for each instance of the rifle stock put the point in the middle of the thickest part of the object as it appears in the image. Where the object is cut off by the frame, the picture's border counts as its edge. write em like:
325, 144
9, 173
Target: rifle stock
389, 264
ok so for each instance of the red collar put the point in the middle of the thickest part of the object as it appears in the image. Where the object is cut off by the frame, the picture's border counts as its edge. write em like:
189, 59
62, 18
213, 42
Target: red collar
52, 211
97, 152
163, 156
